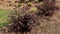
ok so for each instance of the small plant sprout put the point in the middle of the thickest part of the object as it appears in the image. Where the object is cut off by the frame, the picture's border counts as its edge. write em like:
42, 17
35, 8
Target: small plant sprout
33, 10
29, 4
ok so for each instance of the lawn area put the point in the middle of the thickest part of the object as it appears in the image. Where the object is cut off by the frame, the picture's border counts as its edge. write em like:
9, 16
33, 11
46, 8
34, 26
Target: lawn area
4, 17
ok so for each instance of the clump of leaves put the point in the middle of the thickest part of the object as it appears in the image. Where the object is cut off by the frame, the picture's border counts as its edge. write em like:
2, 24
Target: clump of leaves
23, 23
33, 9
47, 9
29, 4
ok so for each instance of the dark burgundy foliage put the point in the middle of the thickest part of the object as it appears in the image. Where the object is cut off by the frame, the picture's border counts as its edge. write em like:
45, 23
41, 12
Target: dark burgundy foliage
22, 23
47, 9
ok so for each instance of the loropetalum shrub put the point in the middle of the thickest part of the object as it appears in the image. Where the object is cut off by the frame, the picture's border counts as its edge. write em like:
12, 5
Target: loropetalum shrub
22, 23
48, 8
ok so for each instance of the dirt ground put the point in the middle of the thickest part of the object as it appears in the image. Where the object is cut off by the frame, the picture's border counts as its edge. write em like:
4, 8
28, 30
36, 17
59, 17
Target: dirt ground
50, 26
